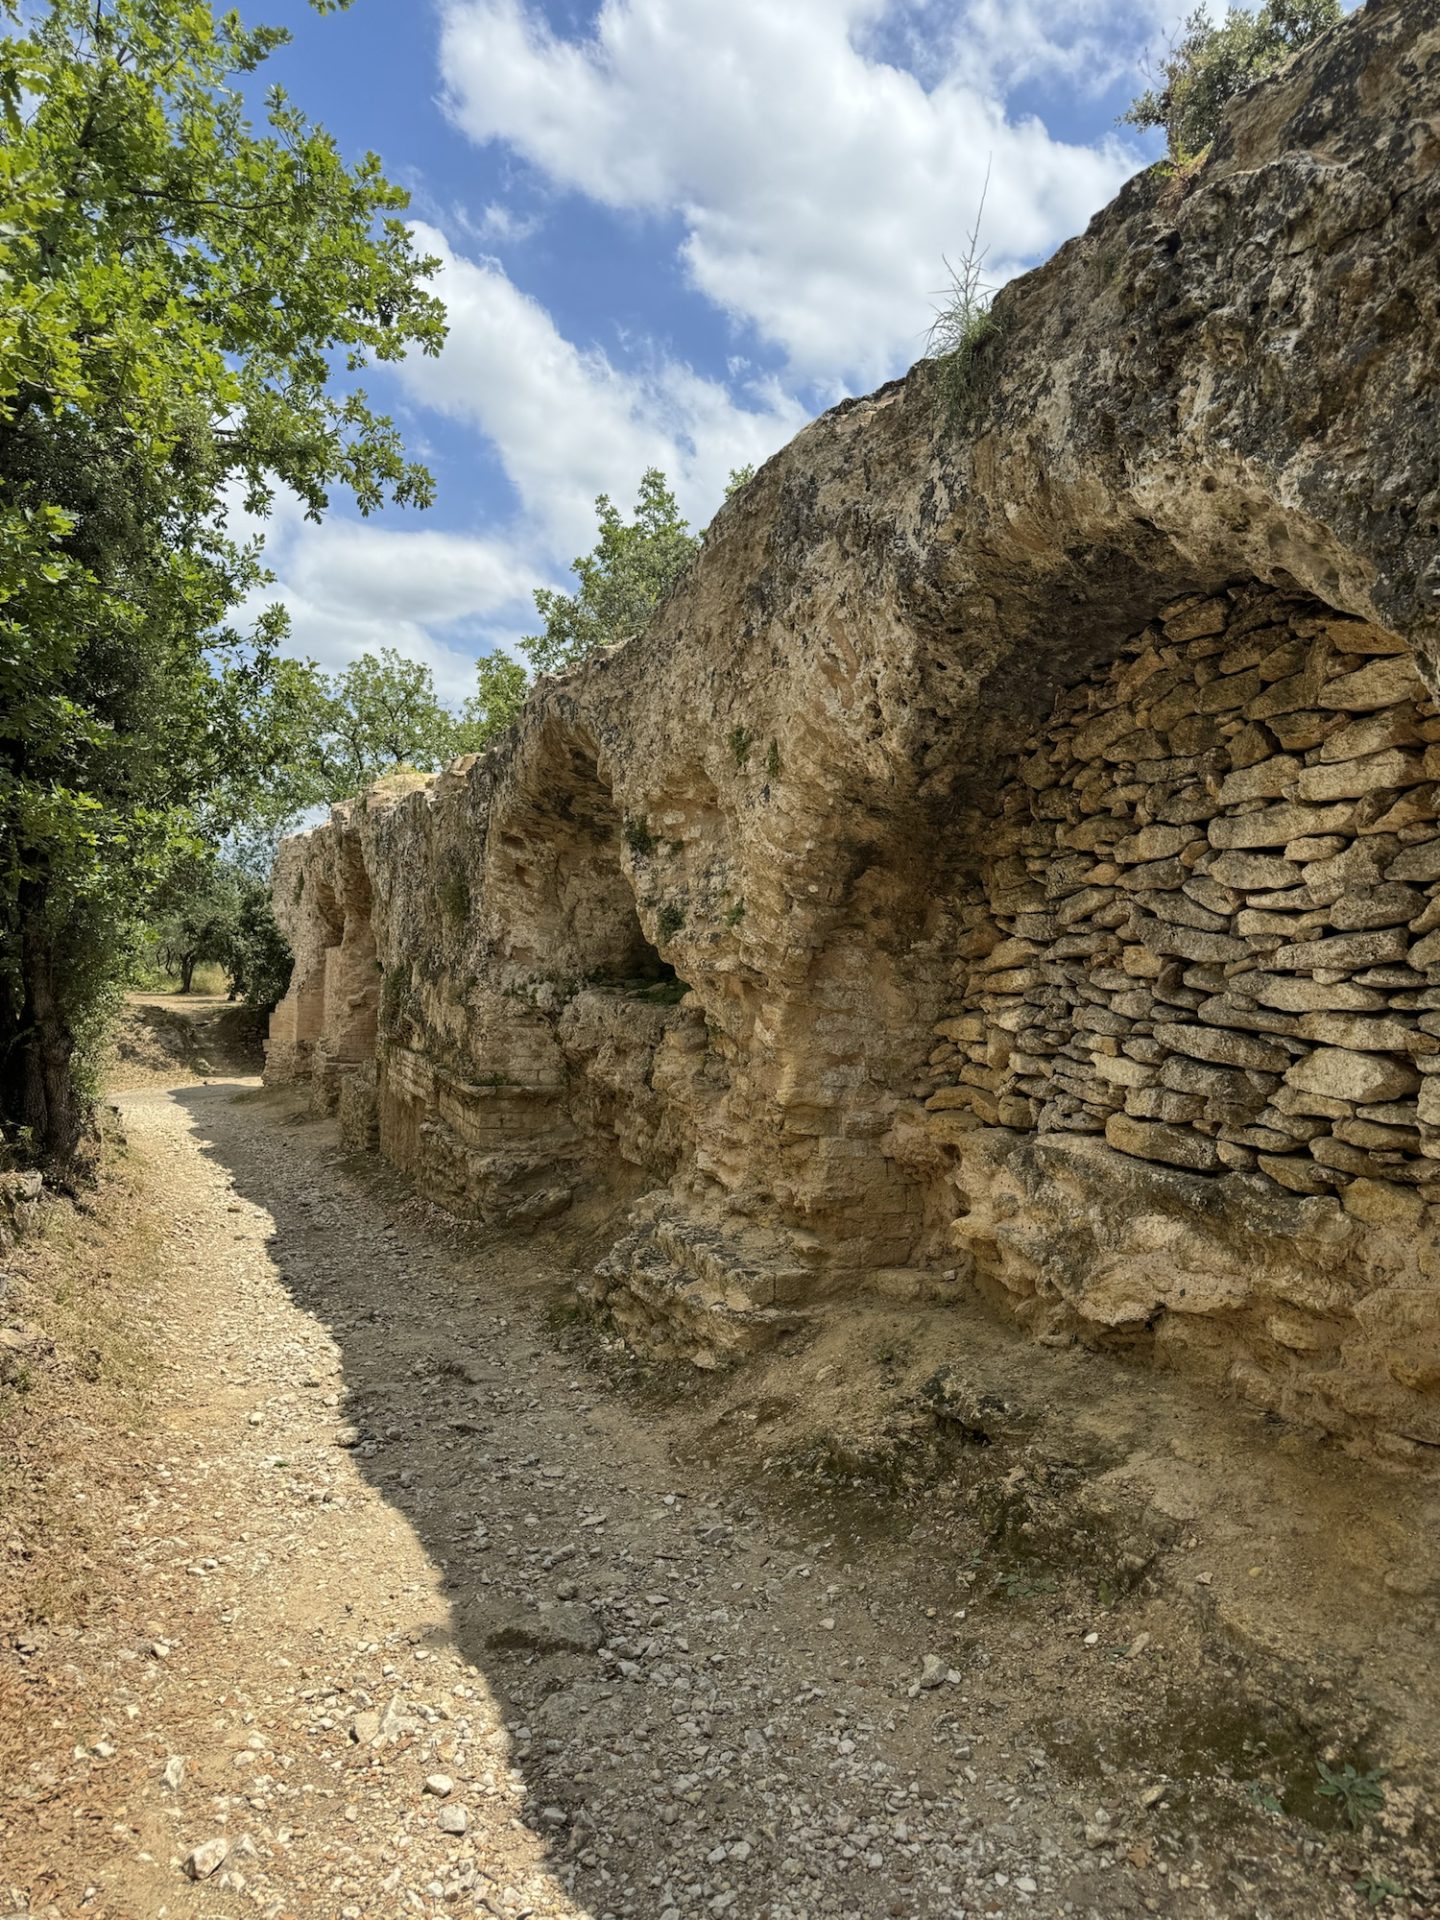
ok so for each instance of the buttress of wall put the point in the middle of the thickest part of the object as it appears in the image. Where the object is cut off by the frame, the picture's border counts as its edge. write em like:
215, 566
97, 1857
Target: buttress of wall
1204, 929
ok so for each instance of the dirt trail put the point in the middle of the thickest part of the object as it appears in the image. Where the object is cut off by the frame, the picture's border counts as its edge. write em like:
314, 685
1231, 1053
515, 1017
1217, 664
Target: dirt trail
415, 1604
161, 1038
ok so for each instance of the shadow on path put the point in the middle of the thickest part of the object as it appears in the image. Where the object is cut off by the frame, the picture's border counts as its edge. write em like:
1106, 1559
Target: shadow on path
714, 1708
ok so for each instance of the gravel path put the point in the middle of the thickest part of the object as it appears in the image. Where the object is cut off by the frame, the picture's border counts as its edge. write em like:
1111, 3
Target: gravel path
413, 1614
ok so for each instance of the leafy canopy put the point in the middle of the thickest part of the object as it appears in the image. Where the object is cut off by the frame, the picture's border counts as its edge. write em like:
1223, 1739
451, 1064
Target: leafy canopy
1210, 64
185, 306
212, 908
500, 685
631, 568
381, 712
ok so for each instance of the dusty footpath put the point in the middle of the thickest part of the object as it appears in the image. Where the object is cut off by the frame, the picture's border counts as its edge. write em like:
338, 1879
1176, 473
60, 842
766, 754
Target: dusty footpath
344, 1573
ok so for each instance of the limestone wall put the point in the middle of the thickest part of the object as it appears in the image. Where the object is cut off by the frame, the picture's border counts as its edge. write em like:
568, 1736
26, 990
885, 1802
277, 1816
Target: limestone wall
1005, 873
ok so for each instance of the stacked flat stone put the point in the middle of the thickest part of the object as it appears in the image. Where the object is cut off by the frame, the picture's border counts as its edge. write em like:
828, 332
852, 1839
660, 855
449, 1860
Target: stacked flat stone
1207, 924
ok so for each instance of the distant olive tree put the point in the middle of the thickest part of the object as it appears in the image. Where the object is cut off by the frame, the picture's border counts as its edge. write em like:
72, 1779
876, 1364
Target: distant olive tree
1209, 64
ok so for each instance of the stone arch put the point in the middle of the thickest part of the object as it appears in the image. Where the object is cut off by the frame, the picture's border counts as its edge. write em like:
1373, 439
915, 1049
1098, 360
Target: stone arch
558, 887
1194, 940
326, 929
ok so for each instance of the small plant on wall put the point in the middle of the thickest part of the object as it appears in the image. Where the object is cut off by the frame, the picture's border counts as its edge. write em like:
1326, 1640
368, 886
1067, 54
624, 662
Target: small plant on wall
454, 895
672, 919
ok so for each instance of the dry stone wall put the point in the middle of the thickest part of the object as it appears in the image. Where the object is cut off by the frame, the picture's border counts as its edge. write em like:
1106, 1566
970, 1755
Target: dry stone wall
1208, 921
1006, 874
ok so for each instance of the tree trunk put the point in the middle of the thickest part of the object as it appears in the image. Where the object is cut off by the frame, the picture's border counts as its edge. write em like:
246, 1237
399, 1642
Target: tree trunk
187, 970
36, 1089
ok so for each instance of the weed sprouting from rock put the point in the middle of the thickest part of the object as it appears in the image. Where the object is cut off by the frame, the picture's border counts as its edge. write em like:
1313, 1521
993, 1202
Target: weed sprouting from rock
965, 331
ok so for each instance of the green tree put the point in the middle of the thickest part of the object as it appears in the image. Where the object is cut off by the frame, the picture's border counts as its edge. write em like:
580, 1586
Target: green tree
277, 768
632, 567
194, 915
257, 955
382, 712
500, 687
177, 291
211, 907
1210, 64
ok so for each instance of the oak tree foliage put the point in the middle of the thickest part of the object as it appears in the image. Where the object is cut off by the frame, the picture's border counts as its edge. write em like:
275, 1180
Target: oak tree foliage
187, 301
622, 580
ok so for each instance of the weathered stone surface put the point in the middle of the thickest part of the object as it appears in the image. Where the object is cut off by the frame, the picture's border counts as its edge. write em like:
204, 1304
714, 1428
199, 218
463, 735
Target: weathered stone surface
1382, 683
1367, 1033
1295, 1172
1151, 1140
1348, 779
1420, 862
1225, 1049
1018, 727
1273, 826
1384, 906
1341, 1074
1393, 727
1345, 950
1269, 780
1254, 872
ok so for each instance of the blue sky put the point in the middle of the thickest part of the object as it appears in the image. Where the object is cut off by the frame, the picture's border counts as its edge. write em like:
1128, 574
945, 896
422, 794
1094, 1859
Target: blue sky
671, 232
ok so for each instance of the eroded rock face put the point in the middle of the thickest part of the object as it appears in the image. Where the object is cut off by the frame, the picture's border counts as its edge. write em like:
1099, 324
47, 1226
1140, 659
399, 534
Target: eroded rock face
1011, 858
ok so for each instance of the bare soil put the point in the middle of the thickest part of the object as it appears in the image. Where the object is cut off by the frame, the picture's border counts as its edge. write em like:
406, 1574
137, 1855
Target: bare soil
310, 1496
164, 1038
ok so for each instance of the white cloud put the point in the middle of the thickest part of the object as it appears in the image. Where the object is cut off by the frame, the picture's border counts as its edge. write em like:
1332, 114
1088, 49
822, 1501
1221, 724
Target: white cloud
818, 183
998, 44
430, 577
353, 587
569, 424
498, 225
566, 425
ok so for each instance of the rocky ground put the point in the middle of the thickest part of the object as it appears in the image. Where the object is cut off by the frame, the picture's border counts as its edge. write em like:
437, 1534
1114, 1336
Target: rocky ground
345, 1575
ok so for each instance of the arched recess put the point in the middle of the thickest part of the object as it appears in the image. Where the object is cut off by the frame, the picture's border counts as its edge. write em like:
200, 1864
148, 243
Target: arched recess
556, 886
352, 977
307, 997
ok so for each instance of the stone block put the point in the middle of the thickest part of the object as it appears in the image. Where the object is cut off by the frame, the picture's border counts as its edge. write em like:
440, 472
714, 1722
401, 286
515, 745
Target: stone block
1345, 951
1295, 1171
1254, 872
1172, 1146
1392, 727
1274, 826
1366, 1033
1339, 1073
1270, 779
1383, 683
1391, 904
1221, 1048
